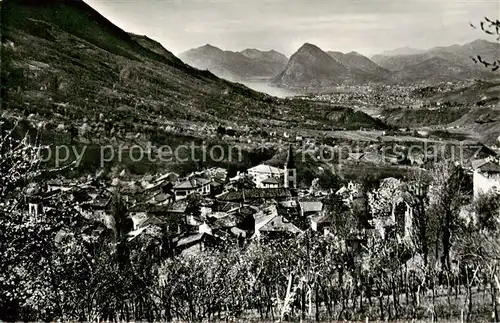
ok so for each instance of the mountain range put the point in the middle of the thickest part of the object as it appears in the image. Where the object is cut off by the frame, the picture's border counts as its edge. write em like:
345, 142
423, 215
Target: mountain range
452, 63
402, 51
311, 67
65, 52
456, 53
244, 65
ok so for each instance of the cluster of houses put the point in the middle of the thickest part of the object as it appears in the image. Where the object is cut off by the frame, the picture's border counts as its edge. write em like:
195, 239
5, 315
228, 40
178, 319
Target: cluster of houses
208, 207
203, 208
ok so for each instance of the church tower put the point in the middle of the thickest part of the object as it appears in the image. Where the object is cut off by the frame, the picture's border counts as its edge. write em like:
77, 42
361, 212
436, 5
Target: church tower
290, 180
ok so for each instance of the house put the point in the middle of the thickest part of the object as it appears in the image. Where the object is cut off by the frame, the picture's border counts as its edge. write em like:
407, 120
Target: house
160, 198
262, 172
320, 223
268, 222
98, 206
235, 225
350, 193
204, 228
233, 214
177, 208
192, 185
57, 185
399, 223
310, 208
168, 177
141, 222
486, 176
271, 182
137, 217
396, 222
193, 243
266, 194
216, 187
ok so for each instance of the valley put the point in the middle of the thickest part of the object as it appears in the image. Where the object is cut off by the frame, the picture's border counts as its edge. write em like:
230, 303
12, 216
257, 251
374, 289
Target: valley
242, 185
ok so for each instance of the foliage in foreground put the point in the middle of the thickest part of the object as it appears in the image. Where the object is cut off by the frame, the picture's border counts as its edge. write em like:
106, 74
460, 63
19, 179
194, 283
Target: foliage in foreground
64, 265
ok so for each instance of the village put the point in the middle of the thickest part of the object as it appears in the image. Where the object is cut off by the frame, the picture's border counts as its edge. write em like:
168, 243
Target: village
410, 96
249, 161
208, 209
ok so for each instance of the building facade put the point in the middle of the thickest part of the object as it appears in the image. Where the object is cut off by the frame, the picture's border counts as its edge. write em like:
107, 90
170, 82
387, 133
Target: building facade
486, 177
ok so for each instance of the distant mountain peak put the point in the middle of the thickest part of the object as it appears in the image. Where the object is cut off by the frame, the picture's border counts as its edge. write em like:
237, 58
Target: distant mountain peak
480, 41
310, 65
274, 52
270, 55
308, 47
402, 51
247, 64
252, 50
362, 68
210, 47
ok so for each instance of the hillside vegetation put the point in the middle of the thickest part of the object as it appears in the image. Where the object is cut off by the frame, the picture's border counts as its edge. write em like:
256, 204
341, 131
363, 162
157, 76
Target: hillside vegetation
62, 59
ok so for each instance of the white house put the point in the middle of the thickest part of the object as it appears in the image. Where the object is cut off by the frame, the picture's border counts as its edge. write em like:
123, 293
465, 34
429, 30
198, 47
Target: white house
486, 176
263, 172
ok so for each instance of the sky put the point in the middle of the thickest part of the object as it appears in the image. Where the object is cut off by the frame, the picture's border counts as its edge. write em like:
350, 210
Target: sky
366, 26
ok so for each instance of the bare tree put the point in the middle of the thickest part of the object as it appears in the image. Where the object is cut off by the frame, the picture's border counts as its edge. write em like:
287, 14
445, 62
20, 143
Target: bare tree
489, 27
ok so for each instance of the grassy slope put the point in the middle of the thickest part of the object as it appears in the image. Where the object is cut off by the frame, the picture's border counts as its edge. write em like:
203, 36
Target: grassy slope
65, 63
61, 56
477, 111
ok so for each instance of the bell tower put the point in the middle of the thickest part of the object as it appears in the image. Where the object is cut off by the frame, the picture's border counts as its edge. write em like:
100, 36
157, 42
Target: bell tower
290, 180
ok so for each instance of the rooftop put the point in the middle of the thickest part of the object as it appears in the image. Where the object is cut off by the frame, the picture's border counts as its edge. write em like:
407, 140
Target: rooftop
278, 224
193, 182
256, 193
485, 165
311, 206
271, 180
266, 169
190, 239
490, 167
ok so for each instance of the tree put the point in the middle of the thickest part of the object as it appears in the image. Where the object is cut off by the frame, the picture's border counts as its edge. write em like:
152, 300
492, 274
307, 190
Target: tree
487, 208
19, 163
57, 263
244, 182
479, 247
418, 189
447, 195
328, 180
489, 27
44, 260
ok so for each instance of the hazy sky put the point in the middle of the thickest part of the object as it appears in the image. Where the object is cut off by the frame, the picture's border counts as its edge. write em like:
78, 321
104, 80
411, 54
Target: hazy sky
366, 26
